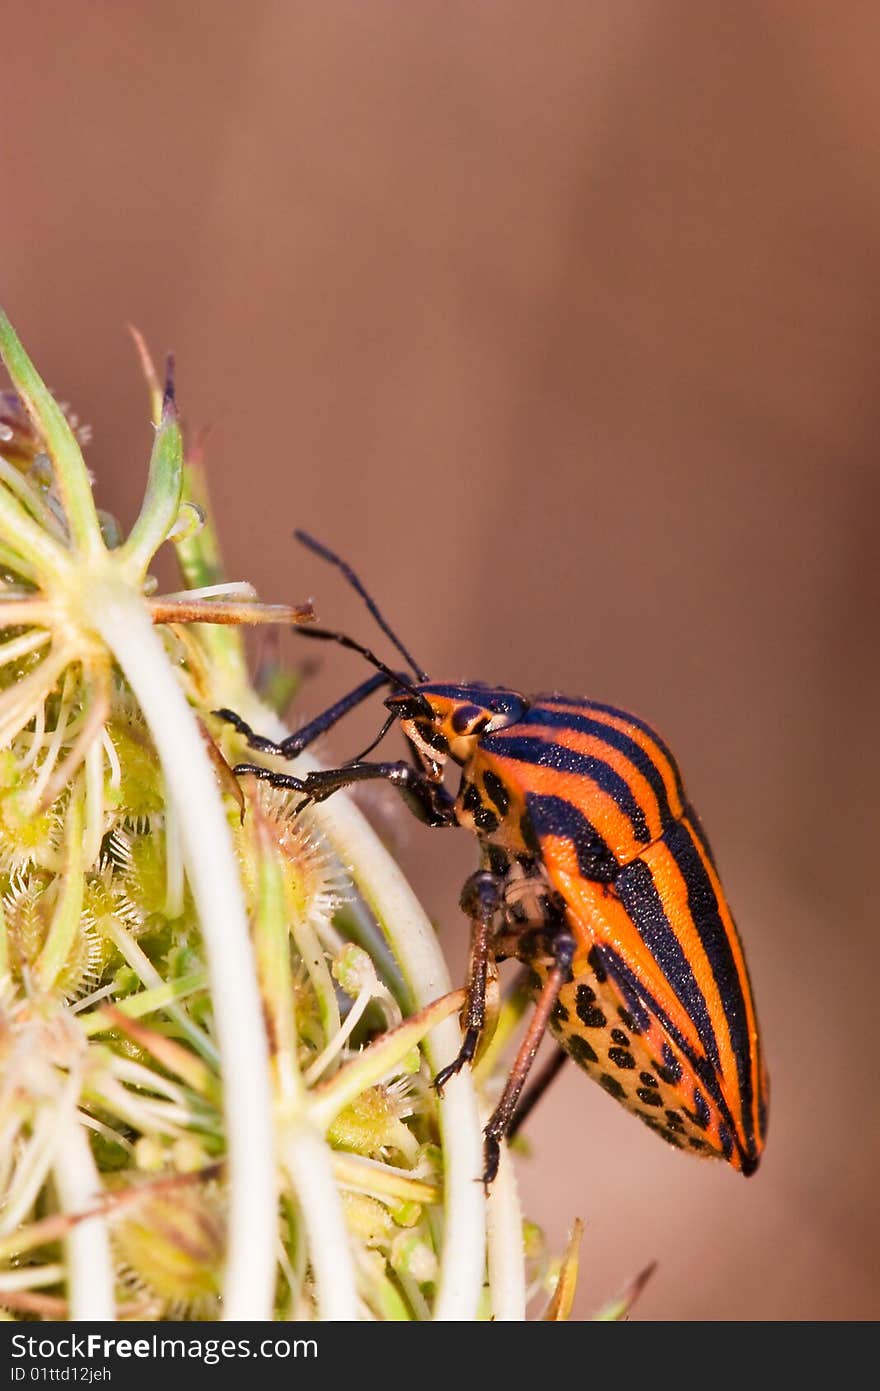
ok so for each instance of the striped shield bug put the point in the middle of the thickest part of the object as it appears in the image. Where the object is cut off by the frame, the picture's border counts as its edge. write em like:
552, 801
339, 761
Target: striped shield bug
595, 873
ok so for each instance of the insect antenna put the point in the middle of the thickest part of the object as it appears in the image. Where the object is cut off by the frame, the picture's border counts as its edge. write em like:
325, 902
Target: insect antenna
326, 554
359, 757
396, 678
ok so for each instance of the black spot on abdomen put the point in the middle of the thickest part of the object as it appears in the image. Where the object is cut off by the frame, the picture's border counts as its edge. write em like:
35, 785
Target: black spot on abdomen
580, 1050
589, 1013
612, 1086
650, 1098
621, 1058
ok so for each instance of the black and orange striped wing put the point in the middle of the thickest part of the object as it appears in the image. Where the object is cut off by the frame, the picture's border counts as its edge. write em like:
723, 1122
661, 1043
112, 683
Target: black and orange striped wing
660, 1007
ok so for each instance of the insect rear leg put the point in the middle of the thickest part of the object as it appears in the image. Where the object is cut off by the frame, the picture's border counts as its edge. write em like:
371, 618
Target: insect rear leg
481, 899
545, 1078
502, 1117
296, 742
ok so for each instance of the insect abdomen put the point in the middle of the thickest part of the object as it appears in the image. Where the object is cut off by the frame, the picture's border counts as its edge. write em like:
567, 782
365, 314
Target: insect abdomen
660, 990
606, 811
606, 1039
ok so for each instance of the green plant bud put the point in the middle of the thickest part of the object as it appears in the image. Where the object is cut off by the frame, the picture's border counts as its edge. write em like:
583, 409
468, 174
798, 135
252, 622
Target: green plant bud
411, 1255
407, 1214
355, 971
174, 1245
368, 1220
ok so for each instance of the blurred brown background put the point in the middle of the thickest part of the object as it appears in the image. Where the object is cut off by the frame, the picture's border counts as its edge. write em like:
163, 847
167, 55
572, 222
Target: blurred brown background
563, 322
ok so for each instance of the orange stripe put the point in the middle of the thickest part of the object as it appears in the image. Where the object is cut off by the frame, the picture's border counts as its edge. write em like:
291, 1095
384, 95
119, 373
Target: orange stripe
603, 918
641, 788
598, 917
601, 809
671, 886
664, 765
758, 1080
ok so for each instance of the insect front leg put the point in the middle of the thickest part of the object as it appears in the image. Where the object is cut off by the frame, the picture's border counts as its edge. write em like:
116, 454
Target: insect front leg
296, 742
428, 800
481, 899
563, 948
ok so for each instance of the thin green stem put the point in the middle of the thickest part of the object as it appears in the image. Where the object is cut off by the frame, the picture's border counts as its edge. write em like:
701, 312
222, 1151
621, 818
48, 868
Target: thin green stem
25, 538
172, 1056
161, 501
11, 560
159, 997
70, 470
28, 495
372, 1064
363, 1175
202, 566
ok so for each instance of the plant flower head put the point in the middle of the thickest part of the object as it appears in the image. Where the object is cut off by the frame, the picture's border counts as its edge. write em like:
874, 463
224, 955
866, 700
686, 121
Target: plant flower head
216, 1092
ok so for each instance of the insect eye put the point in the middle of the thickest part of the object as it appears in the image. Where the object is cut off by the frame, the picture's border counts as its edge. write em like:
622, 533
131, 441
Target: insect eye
464, 719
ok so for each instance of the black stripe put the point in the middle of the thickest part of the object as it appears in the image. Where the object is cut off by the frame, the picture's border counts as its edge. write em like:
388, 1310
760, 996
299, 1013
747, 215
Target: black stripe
642, 1004
634, 992
637, 892
545, 715
690, 815
703, 905
450, 690
671, 1063
630, 719
762, 1098
546, 754
556, 816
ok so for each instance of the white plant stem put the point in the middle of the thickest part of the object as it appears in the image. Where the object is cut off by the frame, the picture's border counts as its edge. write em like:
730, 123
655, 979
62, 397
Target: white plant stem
121, 619
507, 1275
463, 1257
308, 1162
32, 1277
340, 1038
37, 1159
462, 1265
89, 1258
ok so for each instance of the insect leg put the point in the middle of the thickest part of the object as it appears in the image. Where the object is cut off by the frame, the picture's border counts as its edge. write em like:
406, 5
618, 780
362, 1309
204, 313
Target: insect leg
428, 800
549, 1072
295, 743
501, 1118
481, 900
